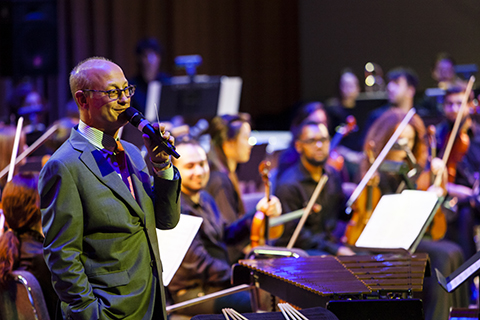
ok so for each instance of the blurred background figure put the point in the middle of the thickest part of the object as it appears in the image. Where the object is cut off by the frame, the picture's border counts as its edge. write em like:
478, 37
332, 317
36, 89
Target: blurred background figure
27, 102
443, 71
149, 54
21, 246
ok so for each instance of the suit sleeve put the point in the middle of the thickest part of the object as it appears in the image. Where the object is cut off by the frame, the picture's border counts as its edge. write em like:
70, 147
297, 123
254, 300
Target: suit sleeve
63, 221
167, 201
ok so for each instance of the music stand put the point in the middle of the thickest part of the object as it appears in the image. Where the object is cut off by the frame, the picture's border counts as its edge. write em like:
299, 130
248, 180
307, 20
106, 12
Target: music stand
466, 271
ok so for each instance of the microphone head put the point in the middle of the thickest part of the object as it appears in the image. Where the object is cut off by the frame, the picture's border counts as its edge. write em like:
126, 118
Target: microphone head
130, 112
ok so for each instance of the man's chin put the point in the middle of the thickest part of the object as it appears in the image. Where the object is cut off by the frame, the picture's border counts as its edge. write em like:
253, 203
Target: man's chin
317, 163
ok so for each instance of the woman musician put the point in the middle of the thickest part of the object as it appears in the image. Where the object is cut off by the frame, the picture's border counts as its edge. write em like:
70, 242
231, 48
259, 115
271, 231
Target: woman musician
411, 148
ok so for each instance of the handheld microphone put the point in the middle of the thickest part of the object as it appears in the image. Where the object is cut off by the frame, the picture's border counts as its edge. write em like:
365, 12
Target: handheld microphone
137, 119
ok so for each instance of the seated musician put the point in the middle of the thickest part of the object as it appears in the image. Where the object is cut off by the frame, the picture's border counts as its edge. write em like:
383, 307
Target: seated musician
230, 134
461, 175
320, 234
206, 267
22, 243
444, 255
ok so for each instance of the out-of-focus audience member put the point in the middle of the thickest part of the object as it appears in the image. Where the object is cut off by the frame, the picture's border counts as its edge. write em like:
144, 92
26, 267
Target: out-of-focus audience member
322, 230
229, 147
21, 246
206, 267
148, 54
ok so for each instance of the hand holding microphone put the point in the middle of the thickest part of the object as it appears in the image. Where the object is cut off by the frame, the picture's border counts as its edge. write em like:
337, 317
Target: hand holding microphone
137, 119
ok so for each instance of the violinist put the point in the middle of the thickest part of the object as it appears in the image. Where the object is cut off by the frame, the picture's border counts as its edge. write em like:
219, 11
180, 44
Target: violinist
206, 267
444, 255
22, 243
310, 111
320, 234
230, 134
460, 177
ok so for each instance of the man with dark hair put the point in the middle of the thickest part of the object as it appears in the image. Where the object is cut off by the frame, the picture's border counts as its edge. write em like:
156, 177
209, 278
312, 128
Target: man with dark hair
401, 88
320, 234
99, 209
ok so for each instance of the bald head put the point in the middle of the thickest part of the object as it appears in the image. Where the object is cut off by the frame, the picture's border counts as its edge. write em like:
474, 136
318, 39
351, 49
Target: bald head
86, 73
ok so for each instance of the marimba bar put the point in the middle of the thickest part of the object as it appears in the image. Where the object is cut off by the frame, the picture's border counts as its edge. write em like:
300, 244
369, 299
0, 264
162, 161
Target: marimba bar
313, 281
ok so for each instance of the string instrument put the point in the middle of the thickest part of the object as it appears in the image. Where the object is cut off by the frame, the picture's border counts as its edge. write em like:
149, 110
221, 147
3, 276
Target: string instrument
363, 210
310, 206
363, 206
261, 230
459, 149
335, 160
37, 144
456, 144
438, 226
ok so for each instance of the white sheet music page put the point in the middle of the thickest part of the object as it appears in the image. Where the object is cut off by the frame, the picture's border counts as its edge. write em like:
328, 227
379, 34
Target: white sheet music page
398, 220
174, 244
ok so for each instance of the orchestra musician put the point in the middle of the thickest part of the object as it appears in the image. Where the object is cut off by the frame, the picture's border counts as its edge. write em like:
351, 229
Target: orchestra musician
229, 147
444, 255
22, 243
99, 209
322, 230
206, 267
460, 192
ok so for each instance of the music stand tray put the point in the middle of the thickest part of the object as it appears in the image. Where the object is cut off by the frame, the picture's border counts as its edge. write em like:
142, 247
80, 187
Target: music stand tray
466, 271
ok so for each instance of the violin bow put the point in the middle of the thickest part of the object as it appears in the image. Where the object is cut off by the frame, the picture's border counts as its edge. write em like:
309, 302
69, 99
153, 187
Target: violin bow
456, 126
321, 183
358, 190
16, 143
29, 150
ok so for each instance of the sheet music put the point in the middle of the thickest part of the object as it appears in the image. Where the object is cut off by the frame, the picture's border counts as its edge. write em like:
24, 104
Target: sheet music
174, 244
398, 220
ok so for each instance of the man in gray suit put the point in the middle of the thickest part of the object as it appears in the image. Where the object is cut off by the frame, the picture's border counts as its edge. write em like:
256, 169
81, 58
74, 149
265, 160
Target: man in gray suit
99, 209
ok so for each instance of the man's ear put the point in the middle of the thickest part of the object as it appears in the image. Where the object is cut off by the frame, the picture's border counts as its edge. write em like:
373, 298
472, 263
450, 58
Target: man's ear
298, 147
81, 99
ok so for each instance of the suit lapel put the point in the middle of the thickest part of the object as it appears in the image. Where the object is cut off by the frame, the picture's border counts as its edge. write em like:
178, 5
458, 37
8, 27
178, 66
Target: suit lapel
95, 161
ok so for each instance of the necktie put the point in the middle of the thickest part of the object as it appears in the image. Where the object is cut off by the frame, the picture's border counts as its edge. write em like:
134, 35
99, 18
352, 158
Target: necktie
122, 165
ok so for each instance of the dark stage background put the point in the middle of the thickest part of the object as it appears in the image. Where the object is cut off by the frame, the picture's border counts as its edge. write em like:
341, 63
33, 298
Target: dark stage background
285, 51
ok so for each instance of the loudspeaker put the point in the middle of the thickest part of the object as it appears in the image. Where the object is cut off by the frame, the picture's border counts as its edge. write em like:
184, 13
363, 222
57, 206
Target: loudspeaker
28, 37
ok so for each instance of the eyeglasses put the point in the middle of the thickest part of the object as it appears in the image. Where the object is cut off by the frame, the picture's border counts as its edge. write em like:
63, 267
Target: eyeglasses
312, 142
116, 94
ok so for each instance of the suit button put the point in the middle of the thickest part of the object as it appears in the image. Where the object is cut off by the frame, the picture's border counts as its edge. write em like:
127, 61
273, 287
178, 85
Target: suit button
152, 263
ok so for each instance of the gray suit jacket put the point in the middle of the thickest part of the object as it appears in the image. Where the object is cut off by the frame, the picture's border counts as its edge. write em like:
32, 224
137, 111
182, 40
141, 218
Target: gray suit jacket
100, 243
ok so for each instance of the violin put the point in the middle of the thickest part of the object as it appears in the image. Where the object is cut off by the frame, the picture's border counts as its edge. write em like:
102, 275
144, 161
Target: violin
261, 232
367, 194
335, 160
363, 206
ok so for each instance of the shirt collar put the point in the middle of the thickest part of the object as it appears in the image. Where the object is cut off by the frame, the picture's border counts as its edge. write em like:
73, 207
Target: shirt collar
96, 137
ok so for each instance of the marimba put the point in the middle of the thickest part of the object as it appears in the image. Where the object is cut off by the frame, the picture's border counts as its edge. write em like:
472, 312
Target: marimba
313, 281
